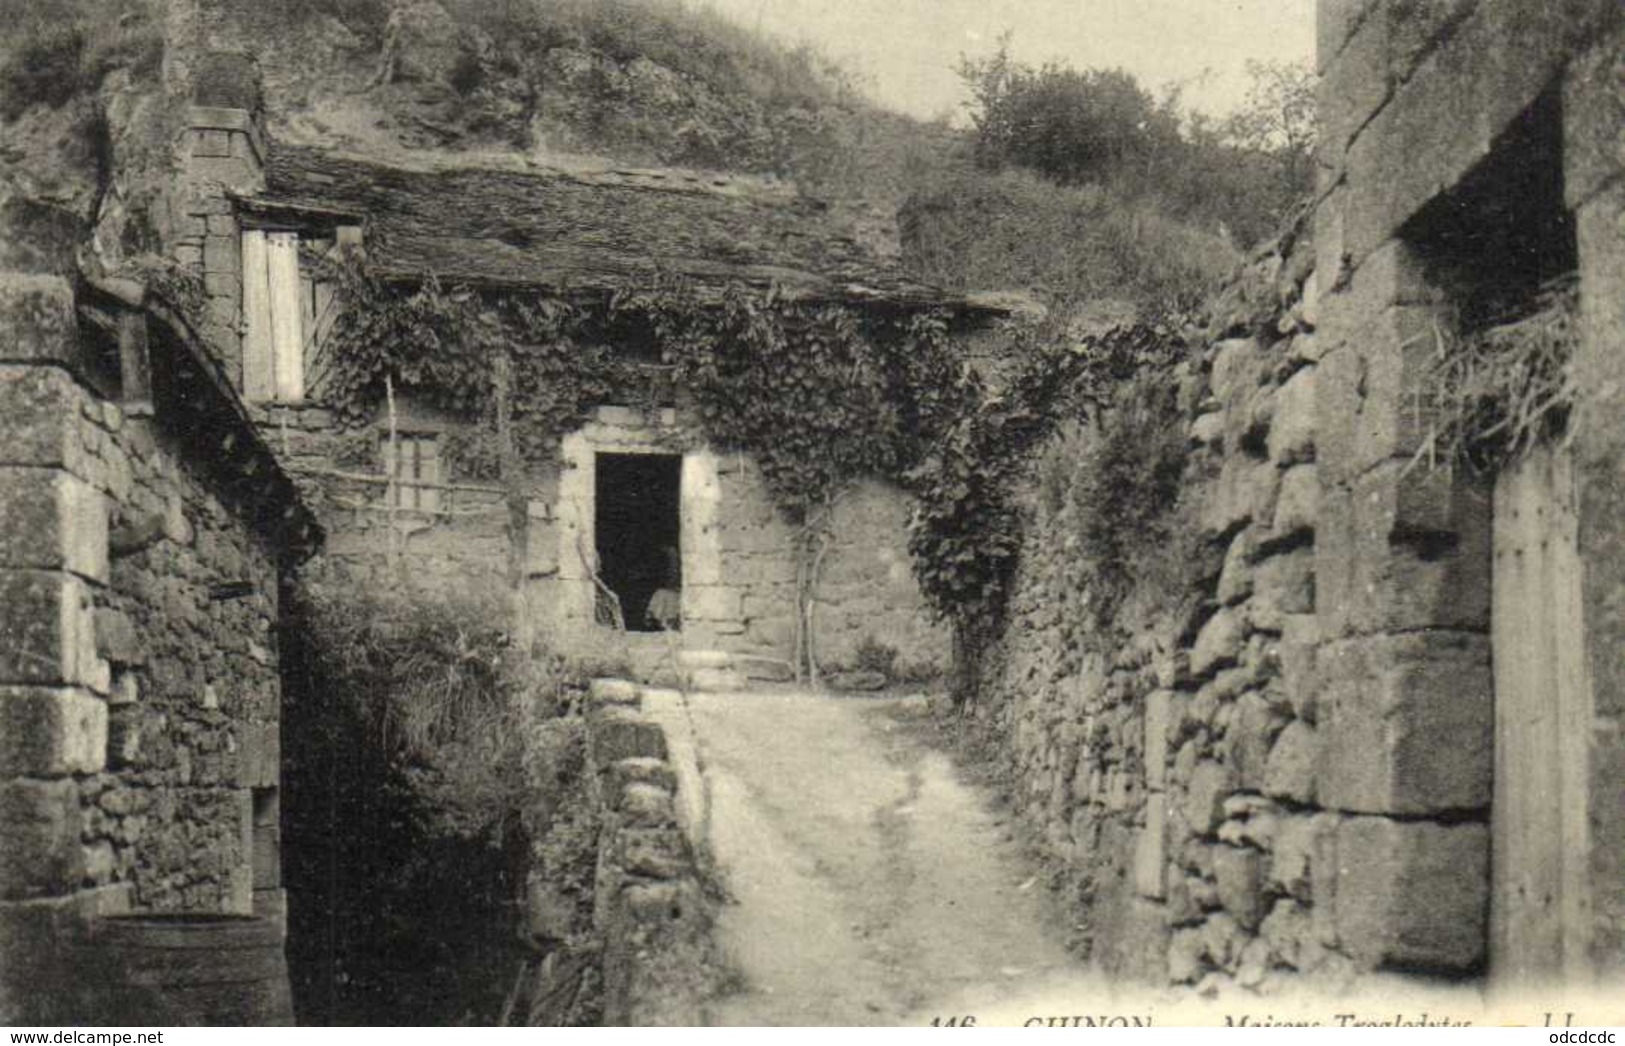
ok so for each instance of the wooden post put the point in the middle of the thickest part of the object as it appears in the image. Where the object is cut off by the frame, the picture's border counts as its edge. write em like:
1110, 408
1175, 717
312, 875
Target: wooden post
392, 462
135, 366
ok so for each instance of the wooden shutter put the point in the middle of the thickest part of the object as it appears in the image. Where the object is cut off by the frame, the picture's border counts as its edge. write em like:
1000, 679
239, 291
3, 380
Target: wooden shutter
258, 382
287, 339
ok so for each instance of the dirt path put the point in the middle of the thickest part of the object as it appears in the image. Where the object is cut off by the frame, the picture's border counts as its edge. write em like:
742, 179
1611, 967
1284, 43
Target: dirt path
870, 886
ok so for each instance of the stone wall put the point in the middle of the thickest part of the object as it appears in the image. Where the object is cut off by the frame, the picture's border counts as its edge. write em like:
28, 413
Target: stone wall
1435, 143
1281, 771
1166, 759
138, 681
646, 911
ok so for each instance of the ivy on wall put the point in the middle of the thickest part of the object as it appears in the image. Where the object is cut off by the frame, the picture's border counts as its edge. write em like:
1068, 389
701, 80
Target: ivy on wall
818, 394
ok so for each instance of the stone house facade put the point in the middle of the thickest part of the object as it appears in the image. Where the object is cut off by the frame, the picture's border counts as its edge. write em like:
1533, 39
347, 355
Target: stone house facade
702, 513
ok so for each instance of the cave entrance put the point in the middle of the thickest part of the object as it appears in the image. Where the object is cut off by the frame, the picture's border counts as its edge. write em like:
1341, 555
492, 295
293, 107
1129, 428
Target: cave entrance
636, 531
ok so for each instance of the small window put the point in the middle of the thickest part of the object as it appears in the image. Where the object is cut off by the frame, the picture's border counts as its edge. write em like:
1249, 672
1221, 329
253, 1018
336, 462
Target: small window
413, 462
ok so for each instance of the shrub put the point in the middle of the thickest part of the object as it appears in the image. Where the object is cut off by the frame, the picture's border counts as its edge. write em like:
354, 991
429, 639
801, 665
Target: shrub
405, 718
1116, 487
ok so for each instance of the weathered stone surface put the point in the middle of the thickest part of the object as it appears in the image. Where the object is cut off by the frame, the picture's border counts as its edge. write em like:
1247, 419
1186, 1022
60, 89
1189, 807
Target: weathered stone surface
1252, 728
1407, 723
613, 692
40, 822
116, 638
37, 321
51, 732
1236, 578
646, 806
1283, 584
1239, 875
52, 520
1219, 643
1157, 726
1297, 509
1186, 951
1293, 764
46, 619
1412, 894
1292, 428
1149, 852
1210, 783
616, 733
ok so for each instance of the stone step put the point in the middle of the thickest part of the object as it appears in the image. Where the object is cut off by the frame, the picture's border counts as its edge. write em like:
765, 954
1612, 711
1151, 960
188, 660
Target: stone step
716, 680
705, 659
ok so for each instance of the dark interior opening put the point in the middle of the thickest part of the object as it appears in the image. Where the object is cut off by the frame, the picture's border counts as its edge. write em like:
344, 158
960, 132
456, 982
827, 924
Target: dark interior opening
636, 531
1503, 233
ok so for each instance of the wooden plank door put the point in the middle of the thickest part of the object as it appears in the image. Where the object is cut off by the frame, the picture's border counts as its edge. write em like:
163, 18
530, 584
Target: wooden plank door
1539, 904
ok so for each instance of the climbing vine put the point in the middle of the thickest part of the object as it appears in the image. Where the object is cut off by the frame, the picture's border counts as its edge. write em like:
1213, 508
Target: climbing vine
819, 395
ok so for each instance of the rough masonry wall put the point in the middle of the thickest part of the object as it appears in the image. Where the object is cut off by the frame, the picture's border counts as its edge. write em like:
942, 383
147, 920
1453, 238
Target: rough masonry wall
138, 674
738, 555
866, 590
461, 547
1170, 762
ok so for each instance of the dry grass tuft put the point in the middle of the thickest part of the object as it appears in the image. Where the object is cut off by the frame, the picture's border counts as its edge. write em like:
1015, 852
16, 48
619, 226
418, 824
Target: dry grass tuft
1492, 395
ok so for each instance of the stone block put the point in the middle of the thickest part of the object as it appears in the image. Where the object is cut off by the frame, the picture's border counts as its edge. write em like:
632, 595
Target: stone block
51, 732
655, 772
39, 417
1593, 112
116, 638
1412, 894
40, 822
712, 603
45, 617
1239, 875
222, 255
1210, 784
1335, 22
1352, 89
37, 320
616, 733
1244, 490
1150, 856
1283, 585
643, 805
1236, 576
1294, 762
656, 853
1253, 726
1219, 643
1157, 726
52, 520
1407, 723
1297, 509
1292, 429
613, 692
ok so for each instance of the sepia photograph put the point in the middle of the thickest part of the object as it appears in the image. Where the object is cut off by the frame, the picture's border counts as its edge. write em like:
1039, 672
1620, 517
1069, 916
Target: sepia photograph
800, 513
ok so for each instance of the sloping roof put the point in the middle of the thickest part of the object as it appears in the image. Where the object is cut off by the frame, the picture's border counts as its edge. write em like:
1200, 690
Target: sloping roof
529, 224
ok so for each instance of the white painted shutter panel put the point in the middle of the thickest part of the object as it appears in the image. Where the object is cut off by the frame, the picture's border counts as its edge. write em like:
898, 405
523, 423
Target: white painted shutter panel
258, 383
287, 336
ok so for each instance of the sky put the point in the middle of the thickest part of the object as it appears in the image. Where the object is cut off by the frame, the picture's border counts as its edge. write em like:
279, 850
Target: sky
907, 50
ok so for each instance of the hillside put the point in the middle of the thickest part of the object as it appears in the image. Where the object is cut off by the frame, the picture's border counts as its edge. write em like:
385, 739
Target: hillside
606, 84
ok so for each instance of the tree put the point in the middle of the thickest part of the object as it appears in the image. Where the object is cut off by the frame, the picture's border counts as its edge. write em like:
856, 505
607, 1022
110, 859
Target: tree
1278, 120
1073, 127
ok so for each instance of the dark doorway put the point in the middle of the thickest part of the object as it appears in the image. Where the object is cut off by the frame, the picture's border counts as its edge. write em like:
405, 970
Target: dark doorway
636, 531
